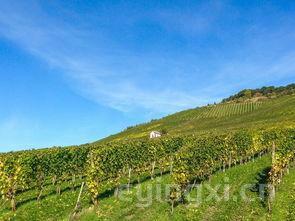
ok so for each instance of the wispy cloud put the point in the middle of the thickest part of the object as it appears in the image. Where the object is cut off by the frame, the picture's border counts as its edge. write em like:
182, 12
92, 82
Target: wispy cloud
108, 73
109, 76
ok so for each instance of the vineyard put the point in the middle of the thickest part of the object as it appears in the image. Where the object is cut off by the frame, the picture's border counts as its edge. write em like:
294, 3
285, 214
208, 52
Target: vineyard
104, 167
201, 157
110, 164
201, 144
225, 110
36, 169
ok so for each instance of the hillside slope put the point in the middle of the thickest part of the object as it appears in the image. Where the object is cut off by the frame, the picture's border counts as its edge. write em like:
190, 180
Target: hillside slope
48, 181
155, 207
204, 207
223, 116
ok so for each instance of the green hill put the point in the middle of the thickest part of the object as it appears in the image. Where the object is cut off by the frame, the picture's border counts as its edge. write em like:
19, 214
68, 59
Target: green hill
219, 117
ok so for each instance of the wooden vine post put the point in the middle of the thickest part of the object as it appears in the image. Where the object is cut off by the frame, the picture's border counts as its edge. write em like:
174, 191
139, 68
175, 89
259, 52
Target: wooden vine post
78, 203
129, 179
153, 170
230, 159
271, 185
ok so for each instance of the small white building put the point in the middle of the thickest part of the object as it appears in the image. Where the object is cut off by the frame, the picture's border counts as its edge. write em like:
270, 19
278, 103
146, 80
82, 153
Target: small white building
155, 134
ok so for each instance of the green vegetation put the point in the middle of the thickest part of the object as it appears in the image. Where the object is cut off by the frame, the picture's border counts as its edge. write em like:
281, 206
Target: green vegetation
261, 93
209, 208
51, 206
216, 144
54, 207
115, 163
221, 117
35, 169
201, 157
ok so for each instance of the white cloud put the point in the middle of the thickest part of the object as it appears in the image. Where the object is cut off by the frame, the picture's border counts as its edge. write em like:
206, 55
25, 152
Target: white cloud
109, 77
109, 74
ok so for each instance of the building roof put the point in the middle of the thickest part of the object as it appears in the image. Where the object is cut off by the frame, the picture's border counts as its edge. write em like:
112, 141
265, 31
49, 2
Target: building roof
157, 132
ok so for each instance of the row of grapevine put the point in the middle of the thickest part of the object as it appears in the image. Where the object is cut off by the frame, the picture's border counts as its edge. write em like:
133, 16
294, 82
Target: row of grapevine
218, 111
227, 110
201, 157
284, 147
283, 143
36, 168
108, 164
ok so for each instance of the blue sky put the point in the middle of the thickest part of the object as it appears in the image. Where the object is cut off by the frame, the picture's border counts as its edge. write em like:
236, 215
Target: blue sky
75, 71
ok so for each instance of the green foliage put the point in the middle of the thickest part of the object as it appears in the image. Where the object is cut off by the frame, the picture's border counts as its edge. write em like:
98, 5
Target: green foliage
164, 131
264, 91
108, 163
31, 169
284, 141
201, 157
113, 209
12, 178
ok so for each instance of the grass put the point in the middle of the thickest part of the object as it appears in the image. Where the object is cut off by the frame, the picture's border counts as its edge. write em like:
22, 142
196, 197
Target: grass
284, 205
51, 206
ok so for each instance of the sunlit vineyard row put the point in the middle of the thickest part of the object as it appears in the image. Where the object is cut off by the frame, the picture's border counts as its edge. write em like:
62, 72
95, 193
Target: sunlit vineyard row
227, 110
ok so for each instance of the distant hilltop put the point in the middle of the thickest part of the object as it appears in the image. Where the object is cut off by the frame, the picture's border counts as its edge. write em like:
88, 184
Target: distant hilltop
261, 93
